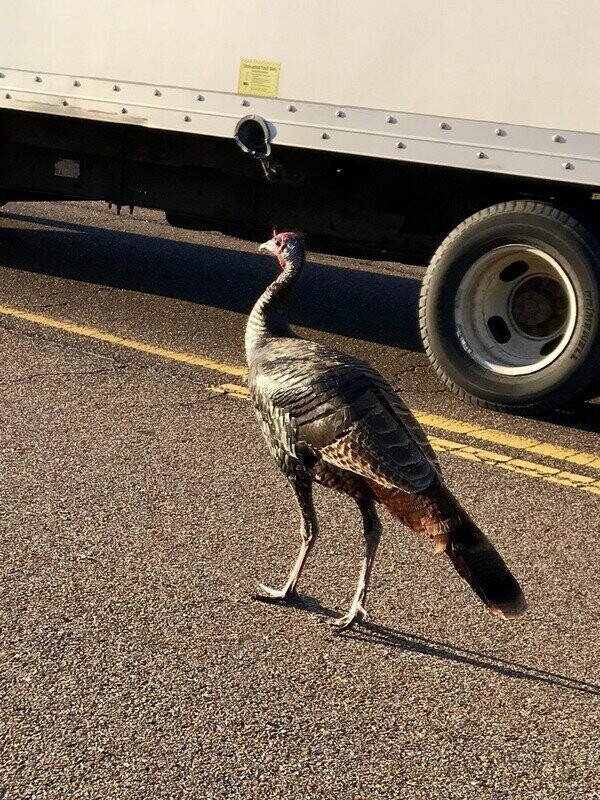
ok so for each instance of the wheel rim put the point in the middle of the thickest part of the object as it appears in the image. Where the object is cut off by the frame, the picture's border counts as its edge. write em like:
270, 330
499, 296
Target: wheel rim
515, 310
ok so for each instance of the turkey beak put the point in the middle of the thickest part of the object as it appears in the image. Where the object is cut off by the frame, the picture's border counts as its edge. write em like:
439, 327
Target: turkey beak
268, 247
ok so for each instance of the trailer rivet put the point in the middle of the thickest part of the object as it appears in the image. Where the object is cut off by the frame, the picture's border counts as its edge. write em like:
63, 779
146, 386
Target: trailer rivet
400, 145
390, 119
340, 113
65, 102
500, 132
324, 136
291, 108
76, 83
116, 88
1, 75
445, 126
558, 138
568, 165
8, 96
200, 98
157, 93
37, 79
123, 111
481, 154
245, 103
187, 119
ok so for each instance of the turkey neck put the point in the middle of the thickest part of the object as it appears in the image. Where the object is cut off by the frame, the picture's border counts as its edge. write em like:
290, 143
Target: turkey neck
269, 317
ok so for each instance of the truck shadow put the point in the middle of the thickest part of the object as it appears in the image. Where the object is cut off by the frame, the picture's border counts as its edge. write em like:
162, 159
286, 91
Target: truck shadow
584, 417
376, 307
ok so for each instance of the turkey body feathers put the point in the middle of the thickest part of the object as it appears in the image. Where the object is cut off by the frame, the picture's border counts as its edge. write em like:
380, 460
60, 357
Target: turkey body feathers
317, 402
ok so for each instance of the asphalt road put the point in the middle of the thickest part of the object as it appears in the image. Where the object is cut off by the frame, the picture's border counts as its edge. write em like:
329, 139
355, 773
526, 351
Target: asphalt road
138, 510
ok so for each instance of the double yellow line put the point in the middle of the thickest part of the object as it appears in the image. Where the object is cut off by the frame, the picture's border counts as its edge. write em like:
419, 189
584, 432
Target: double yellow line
527, 446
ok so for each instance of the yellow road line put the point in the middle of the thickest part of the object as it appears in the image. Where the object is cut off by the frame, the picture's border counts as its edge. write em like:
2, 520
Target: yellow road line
530, 446
131, 344
519, 465
533, 446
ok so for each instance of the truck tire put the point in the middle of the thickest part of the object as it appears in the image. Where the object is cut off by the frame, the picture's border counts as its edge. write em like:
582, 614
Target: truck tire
510, 308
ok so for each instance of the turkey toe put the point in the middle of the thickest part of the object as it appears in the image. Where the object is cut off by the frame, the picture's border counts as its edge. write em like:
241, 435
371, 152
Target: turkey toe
281, 596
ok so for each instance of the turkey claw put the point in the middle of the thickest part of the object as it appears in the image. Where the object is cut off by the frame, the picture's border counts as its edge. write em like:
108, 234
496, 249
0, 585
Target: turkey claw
281, 596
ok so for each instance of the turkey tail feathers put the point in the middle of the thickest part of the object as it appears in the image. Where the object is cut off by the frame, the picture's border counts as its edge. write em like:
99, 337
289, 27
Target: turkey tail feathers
436, 513
478, 562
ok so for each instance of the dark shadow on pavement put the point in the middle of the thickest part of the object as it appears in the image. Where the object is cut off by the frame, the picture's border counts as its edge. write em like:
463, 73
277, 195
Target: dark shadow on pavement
379, 634
376, 307
369, 633
584, 417
358, 303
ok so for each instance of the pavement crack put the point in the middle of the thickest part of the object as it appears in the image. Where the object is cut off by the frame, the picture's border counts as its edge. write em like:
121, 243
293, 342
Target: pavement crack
211, 398
65, 374
410, 370
34, 336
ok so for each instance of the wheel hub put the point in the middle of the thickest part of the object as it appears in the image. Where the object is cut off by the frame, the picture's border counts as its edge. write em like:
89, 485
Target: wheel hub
538, 307
515, 310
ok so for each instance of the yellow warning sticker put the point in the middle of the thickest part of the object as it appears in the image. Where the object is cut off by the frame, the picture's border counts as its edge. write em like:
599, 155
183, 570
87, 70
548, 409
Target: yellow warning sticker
260, 78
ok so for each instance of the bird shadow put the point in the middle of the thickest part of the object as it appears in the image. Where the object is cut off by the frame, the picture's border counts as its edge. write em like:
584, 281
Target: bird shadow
369, 633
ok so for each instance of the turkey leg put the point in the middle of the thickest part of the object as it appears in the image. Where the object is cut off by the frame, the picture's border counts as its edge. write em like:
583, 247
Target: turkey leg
372, 533
308, 532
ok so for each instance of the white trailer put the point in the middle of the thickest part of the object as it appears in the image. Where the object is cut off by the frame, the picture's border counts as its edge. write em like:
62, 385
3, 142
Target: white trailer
472, 125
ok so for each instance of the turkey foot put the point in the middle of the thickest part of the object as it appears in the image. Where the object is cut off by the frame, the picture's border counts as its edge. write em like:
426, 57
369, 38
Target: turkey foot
355, 614
372, 533
308, 532
286, 596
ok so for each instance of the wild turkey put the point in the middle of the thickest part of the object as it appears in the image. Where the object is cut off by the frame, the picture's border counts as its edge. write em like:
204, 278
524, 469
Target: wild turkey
333, 419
